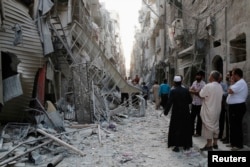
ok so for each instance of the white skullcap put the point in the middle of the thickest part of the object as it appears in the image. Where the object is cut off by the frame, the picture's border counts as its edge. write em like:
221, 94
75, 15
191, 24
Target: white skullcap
177, 79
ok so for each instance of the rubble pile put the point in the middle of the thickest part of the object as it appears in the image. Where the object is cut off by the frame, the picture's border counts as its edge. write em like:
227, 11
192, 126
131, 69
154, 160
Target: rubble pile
137, 141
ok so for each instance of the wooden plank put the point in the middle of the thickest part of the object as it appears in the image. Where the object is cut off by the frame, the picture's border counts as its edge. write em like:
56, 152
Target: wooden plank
61, 142
80, 126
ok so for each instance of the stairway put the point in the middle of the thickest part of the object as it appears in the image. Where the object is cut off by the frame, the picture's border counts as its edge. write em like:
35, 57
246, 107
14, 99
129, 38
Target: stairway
98, 70
60, 40
98, 59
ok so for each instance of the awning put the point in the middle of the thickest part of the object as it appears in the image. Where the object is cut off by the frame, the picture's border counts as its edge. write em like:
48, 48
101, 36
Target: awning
186, 51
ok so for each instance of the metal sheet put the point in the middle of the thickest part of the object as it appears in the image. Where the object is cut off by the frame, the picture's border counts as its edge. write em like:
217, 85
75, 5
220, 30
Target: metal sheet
29, 53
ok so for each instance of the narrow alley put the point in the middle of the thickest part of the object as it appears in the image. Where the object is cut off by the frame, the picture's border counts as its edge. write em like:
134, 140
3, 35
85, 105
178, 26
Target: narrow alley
74, 93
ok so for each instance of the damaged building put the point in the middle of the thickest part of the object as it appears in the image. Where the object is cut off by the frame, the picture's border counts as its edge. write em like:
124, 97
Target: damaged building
183, 37
61, 61
66, 54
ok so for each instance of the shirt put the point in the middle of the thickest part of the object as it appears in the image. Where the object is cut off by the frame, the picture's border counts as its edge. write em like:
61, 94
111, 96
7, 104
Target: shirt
224, 88
240, 90
164, 89
197, 86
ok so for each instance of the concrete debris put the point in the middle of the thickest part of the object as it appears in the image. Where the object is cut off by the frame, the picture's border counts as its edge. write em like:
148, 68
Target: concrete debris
55, 161
61, 142
20, 165
9, 160
15, 131
34, 152
141, 141
35, 157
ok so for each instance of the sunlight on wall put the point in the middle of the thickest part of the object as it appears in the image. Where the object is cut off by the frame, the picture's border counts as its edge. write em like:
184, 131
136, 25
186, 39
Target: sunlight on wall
129, 12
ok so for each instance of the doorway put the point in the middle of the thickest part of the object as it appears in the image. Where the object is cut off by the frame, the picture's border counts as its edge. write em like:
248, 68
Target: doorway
217, 64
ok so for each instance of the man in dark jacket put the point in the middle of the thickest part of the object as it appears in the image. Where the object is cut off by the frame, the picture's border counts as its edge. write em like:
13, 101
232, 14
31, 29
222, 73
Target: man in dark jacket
145, 92
180, 130
164, 93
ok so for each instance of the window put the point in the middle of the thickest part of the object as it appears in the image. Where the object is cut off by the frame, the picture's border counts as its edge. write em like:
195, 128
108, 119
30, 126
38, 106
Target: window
217, 43
238, 49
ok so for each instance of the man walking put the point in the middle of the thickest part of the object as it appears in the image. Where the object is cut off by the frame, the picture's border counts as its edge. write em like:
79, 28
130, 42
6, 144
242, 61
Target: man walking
210, 111
236, 100
155, 91
164, 92
180, 131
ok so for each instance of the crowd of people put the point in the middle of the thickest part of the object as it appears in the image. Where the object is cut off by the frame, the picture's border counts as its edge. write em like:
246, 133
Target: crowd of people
213, 105
213, 110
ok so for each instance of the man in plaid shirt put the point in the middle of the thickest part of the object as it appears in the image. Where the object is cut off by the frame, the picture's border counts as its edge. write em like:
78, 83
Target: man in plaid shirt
197, 85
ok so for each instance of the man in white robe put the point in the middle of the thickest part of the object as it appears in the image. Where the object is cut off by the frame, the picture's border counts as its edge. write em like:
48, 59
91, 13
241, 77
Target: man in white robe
210, 110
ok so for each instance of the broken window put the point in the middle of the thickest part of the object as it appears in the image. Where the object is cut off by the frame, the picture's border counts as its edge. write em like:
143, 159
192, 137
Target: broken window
238, 49
11, 81
9, 64
217, 43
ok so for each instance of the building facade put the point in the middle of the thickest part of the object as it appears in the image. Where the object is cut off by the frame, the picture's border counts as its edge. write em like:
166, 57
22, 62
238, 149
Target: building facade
58, 51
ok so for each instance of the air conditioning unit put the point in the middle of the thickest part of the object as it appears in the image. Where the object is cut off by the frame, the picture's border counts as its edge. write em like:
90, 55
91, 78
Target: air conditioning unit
177, 26
210, 25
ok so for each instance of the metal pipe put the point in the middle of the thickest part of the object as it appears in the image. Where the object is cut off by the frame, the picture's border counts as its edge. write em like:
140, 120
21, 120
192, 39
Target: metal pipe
55, 161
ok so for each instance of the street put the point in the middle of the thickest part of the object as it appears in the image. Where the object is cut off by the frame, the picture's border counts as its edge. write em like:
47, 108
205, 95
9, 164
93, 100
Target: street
139, 142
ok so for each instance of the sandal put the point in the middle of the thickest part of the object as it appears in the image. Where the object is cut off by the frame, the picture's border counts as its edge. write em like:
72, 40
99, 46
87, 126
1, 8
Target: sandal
206, 148
215, 146
176, 149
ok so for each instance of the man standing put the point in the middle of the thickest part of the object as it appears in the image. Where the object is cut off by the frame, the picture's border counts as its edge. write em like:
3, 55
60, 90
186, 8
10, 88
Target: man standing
210, 111
223, 106
135, 100
237, 95
225, 140
137, 79
164, 92
145, 92
197, 85
180, 134
155, 91
125, 95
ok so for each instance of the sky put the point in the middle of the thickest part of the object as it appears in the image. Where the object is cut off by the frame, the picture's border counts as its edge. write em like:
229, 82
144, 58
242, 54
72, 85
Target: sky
128, 11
